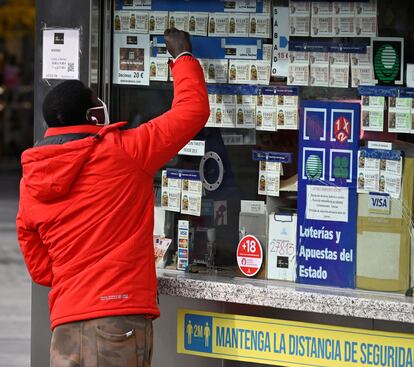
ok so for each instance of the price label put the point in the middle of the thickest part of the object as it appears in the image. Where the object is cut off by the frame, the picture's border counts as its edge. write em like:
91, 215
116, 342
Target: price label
280, 59
249, 255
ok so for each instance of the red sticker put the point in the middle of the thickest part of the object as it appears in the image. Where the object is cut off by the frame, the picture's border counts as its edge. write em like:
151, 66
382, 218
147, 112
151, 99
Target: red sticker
249, 255
342, 129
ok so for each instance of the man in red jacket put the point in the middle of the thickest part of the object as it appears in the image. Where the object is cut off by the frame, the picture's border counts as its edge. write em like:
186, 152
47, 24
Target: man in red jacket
85, 220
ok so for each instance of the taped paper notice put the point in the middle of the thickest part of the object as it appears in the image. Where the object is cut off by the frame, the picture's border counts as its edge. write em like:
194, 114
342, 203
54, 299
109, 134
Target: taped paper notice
327, 203
60, 54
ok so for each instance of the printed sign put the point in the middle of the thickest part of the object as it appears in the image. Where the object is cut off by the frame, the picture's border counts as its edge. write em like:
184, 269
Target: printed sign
280, 60
60, 54
388, 59
327, 198
288, 343
249, 255
379, 204
134, 4
195, 148
131, 59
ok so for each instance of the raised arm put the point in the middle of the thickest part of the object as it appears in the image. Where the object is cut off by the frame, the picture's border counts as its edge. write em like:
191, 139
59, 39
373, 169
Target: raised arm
157, 141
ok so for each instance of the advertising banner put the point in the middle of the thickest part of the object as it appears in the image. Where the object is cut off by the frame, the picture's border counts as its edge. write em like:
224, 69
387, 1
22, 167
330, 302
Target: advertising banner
327, 197
131, 59
288, 343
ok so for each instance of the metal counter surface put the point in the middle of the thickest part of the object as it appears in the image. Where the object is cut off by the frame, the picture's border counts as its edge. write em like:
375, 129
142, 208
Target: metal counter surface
289, 296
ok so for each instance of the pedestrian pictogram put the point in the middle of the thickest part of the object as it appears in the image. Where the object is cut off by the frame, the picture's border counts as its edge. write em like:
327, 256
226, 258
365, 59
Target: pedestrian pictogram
198, 333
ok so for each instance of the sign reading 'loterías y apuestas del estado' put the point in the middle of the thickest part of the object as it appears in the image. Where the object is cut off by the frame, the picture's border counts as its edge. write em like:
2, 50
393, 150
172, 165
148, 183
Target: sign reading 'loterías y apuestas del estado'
327, 198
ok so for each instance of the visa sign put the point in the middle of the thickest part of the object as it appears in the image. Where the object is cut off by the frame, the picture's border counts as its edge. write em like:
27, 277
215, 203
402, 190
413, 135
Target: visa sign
379, 204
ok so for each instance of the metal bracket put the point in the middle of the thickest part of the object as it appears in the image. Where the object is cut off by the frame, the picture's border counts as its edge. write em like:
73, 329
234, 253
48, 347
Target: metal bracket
211, 186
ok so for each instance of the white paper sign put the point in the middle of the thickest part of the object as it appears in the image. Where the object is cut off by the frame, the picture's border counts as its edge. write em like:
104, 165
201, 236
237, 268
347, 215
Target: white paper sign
327, 203
60, 54
131, 59
137, 4
280, 61
255, 207
240, 5
195, 148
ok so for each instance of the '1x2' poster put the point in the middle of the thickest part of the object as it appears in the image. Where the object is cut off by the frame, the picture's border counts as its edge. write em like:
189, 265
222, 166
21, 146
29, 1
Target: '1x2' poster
327, 197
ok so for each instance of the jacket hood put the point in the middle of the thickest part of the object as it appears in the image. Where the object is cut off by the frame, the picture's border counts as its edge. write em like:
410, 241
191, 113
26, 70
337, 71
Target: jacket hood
50, 171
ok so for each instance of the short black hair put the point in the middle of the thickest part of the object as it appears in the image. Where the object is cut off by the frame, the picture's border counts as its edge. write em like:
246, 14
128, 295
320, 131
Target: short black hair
67, 103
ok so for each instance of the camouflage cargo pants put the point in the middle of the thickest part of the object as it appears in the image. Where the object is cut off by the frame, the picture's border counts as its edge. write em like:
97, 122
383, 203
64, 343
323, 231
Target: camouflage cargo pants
120, 341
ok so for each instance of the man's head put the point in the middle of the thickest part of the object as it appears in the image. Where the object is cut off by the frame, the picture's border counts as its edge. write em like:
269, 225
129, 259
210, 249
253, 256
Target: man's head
68, 103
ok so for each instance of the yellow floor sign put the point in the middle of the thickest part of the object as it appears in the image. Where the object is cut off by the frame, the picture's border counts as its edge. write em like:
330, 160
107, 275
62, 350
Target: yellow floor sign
289, 343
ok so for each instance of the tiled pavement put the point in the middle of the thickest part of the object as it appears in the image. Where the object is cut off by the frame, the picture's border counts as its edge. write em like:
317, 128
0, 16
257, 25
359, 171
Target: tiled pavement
14, 282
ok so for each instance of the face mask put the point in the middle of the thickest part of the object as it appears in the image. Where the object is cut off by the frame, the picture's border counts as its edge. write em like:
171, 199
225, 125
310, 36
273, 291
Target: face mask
98, 115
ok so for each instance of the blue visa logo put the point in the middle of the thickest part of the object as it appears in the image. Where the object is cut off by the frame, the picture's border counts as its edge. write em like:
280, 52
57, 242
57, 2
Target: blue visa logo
379, 204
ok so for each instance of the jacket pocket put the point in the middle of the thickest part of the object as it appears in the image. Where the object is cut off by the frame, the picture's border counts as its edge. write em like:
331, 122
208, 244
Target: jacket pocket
116, 349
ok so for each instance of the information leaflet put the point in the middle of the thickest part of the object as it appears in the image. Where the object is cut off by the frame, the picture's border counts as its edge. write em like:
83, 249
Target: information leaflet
60, 54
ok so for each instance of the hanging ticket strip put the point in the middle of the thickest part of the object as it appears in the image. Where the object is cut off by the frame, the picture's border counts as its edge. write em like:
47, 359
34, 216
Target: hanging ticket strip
380, 171
400, 110
318, 66
249, 107
270, 170
181, 191
333, 19
327, 64
232, 40
227, 36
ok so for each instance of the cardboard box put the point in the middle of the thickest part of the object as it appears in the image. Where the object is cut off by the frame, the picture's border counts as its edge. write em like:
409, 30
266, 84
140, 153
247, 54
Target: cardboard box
383, 240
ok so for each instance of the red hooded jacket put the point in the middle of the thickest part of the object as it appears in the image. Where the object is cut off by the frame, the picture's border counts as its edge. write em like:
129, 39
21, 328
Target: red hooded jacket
86, 213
